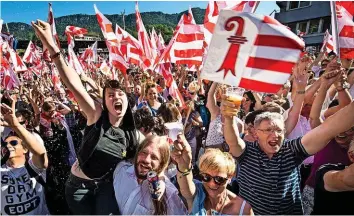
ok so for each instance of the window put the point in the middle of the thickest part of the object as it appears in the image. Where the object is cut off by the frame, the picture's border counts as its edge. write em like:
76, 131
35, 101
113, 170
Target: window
298, 4
292, 27
314, 26
302, 27
326, 24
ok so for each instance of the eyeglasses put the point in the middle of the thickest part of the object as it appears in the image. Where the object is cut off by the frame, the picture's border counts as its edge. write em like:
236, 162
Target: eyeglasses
12, 142
270, 131
217, 179
22, 122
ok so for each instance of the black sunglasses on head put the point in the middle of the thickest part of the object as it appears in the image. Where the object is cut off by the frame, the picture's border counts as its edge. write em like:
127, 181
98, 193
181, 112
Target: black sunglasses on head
12, 142
217, 179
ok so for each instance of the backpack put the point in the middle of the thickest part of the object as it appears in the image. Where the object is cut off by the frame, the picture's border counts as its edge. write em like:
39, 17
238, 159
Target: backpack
35, 175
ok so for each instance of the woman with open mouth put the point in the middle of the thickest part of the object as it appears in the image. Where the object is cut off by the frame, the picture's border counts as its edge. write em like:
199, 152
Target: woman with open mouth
110, 136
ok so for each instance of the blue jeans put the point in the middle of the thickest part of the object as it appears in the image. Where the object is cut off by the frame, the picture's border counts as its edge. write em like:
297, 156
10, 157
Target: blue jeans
90, 197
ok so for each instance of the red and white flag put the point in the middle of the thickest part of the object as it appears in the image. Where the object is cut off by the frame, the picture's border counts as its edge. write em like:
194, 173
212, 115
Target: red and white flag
251, 51
74, 61
115, 56
143, 37
129, 46
9, 79
90, 54
17, 62
327, 46
72, 31
31, 55
343, 28
161, 44
52, 25
213, 9
55, 76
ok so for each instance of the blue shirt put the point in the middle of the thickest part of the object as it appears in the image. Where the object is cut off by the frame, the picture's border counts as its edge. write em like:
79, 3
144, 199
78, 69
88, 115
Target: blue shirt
272, 186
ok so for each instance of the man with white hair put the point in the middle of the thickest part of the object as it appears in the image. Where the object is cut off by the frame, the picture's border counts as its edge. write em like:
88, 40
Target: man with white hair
269, 174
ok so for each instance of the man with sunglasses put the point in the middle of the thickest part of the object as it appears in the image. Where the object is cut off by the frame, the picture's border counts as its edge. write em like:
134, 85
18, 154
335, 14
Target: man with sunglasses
22, 177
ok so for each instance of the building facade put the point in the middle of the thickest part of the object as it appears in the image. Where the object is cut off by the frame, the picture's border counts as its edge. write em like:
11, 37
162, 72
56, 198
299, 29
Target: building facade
310, 17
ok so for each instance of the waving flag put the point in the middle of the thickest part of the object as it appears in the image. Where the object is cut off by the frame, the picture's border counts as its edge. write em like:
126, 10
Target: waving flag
52, 25
213, 9
72, 31
74, 62
129, 46
343, 28
9, 79
258, 53
115, 56
19, 66
90, 54
143, 37
32, 54
327, 46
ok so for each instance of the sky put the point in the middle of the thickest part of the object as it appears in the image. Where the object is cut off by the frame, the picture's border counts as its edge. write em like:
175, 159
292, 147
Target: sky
26, 11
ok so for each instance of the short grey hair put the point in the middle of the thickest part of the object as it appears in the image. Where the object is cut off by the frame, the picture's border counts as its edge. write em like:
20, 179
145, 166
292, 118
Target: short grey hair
269, 116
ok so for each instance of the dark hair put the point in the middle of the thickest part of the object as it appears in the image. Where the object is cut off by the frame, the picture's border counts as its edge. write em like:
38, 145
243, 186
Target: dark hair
149, 86
169, 112
253, 100
144, 119
48, 105
250, 117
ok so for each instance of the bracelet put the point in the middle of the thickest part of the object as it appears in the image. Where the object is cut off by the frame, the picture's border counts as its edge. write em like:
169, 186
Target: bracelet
300, 92
55, 55
186, 172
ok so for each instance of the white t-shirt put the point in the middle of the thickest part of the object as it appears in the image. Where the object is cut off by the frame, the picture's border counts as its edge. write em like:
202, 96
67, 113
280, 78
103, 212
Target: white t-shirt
21, 194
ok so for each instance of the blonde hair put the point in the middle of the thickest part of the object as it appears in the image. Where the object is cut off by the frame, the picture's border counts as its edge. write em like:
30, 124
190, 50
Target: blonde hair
216, 160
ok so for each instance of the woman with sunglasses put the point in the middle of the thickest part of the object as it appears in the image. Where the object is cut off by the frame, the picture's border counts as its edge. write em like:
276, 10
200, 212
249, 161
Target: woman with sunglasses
209, 197
109, 137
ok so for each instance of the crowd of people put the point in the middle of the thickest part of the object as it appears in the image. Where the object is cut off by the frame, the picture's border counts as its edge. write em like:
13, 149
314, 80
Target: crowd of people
88, 147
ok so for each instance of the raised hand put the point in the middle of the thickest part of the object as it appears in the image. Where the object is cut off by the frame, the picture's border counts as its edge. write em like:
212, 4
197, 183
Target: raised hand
8, 117
182, 153
42, 30
330, 77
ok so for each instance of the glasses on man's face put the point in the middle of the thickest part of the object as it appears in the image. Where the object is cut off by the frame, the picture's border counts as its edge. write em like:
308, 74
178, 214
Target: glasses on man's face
22, 122
12, 143
271, 130
217, 179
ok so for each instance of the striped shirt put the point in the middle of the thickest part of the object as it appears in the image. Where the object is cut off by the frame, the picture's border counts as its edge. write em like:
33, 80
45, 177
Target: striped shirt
272, 186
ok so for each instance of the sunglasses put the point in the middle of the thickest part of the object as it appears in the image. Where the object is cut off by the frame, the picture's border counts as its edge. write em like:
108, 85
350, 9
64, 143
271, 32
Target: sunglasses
114, 84
12, 142
217, 179
22, 122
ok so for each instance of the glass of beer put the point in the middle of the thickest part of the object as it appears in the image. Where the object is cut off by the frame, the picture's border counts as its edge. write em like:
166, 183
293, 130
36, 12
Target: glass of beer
235, 95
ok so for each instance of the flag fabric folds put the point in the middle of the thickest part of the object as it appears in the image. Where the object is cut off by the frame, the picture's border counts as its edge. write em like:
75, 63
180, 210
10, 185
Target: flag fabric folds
260, 58
327, 46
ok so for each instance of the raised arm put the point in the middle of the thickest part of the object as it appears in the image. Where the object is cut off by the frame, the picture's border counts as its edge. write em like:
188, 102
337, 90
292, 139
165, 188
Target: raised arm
211, 102
229, 111
9, 119
70, 78
337, 181
35, 108
182, 155
318, 138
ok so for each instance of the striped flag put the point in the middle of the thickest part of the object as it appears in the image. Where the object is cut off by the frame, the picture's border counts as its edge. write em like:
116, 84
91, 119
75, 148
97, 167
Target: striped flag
116, 58
52, 25
9, 79
17, 62
258, 53
148, 54
213, 9
161, 44
343, 28
90, 54
327, 46
74, 61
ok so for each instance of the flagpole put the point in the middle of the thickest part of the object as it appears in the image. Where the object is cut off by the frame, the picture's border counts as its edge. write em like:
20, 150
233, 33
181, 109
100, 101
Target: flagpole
335, 29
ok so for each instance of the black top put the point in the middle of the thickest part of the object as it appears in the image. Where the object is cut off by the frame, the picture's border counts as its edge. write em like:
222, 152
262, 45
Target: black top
331, 203
104, 146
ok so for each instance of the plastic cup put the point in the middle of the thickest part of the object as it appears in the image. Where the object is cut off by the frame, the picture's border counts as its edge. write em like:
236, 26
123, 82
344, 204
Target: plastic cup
235, 95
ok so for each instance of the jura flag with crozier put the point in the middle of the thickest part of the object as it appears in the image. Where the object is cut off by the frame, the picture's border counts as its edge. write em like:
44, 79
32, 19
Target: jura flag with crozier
251, 51
327, 46
72, 31
343, 35
17, 62
32, 54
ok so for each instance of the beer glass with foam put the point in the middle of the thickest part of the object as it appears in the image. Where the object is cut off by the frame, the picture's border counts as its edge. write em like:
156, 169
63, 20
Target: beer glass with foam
235, 95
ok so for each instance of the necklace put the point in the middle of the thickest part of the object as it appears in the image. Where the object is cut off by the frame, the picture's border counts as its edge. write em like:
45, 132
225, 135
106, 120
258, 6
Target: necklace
222, 207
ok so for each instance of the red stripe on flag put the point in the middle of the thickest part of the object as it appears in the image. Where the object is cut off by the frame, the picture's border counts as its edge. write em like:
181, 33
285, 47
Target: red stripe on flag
277, 41
136, 51
347, 53
189, 53
119, 66
347, 31
259, 86
134, 61
329, 46
270, 64
270, 20
189, 62
185, 38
